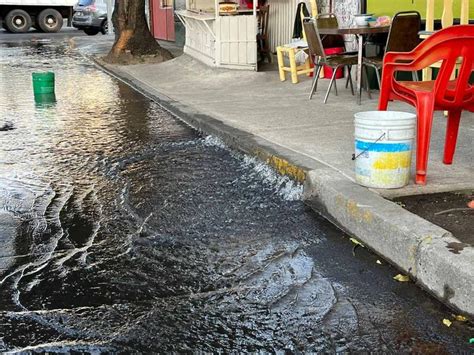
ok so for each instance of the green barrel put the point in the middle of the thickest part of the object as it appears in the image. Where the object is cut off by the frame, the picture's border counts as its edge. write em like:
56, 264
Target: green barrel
44, 100
43, 83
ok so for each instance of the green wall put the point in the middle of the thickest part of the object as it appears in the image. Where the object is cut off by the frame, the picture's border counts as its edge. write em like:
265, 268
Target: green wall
390, 7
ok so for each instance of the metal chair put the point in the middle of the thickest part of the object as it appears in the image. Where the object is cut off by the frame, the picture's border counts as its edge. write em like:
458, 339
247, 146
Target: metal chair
319, 58
329, 20
403, 37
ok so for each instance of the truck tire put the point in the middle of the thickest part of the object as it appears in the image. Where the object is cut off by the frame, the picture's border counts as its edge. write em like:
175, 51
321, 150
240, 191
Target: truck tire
49, 20
91, 31
18, 21
104, 27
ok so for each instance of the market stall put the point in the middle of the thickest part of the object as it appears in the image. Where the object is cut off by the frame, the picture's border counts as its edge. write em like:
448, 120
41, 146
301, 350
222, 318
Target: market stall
221, 34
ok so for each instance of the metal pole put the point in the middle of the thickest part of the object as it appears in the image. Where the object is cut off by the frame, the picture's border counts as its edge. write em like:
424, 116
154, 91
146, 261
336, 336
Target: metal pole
110, 26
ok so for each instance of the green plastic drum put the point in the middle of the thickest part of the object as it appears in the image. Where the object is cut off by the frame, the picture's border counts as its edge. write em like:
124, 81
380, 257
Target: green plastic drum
44, 100
43, 83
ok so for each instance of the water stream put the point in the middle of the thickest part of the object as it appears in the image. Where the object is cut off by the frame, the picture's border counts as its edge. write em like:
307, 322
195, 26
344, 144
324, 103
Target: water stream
122, 229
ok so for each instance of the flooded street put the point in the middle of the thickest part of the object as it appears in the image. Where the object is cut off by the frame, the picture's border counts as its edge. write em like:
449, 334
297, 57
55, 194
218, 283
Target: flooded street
124, 230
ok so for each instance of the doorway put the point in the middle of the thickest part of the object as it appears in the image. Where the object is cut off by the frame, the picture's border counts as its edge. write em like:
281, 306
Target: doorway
162, 19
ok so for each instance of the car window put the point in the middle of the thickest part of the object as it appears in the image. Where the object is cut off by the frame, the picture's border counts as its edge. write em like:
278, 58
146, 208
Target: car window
85, 2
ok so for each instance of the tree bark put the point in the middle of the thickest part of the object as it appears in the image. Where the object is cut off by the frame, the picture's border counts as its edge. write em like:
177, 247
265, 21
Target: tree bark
132, 35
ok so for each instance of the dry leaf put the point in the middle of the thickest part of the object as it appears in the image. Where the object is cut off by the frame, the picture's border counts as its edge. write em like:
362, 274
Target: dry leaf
447, 322
401, 278
356, 242
460, 318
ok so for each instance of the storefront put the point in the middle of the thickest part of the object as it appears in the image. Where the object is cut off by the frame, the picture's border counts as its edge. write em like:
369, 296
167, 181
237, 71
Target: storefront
221, 35
226, 37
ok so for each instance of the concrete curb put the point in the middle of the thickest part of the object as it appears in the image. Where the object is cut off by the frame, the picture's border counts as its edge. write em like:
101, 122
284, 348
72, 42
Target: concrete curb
416, 246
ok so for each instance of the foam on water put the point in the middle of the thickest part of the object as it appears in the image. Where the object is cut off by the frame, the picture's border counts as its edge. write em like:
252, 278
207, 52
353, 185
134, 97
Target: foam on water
211, 141
287, 188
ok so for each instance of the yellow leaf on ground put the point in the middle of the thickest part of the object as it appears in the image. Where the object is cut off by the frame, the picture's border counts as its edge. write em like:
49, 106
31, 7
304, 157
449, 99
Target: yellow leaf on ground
401, 278
356, 242
460, 318
447, 322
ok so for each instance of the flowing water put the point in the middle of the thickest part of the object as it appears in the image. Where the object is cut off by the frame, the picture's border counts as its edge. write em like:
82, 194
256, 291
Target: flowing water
122, 229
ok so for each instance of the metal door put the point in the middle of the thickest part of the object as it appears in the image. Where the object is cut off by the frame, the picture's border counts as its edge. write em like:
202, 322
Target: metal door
162, 19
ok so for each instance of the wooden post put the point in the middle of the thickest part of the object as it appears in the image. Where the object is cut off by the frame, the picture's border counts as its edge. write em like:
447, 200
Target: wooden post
464, 12
314, 8
430, 15
447, 18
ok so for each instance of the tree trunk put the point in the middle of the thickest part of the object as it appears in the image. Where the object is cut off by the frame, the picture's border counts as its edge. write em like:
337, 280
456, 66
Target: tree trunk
132, 35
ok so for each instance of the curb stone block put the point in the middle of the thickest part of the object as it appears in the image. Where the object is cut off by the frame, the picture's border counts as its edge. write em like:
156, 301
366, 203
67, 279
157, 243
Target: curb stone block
411, 243
448, 273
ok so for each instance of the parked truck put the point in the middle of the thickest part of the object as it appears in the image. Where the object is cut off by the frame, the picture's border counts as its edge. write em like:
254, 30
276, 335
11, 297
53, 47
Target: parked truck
19, 16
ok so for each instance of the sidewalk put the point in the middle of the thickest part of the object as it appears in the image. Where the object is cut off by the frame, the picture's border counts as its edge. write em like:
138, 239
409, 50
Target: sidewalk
313, 142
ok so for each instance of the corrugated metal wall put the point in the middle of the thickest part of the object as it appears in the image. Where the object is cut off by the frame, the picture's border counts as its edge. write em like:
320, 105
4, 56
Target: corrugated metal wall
282, 17
280, 22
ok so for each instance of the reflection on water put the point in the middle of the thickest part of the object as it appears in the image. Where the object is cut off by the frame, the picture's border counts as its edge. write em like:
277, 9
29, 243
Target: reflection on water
123, 229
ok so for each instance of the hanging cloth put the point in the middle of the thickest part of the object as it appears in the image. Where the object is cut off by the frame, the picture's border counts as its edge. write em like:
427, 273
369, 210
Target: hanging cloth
301, 9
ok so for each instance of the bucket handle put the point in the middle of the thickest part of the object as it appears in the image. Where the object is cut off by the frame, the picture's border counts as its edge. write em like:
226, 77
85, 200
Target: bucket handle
354, 157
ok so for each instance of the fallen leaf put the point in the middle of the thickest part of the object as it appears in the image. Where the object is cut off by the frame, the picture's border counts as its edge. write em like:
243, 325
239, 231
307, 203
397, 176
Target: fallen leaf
447, 322
460, 318
356, 242
379, 262
470, 204
401, 278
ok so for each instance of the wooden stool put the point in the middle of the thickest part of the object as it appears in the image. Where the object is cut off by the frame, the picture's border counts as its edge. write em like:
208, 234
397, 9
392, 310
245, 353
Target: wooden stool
294, 69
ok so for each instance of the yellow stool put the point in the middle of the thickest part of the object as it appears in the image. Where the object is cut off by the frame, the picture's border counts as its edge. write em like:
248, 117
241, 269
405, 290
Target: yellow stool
294, 69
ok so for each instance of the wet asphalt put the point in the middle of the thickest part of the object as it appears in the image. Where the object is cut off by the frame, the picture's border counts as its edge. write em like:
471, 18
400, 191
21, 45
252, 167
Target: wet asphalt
124, 230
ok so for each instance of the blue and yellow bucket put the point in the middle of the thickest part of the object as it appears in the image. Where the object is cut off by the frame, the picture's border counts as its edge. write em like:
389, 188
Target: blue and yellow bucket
383, 148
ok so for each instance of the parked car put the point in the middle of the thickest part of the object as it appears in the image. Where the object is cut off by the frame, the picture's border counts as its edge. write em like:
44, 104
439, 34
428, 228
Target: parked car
90, 16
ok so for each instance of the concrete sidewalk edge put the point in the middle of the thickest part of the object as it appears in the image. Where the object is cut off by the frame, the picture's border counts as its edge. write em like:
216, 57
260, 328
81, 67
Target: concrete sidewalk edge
414, 245
418, 247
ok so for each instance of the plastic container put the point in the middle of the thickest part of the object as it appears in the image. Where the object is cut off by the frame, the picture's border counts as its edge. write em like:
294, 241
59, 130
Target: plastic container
43, 83
362, 19
328, 70
45, 99
383, 147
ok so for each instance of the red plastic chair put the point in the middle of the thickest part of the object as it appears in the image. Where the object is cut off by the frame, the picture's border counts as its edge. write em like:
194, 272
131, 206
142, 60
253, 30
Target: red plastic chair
448, 45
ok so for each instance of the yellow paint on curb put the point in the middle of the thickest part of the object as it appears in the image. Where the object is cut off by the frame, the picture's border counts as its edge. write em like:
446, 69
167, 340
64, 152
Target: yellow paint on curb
357, 213
428, 239
285, 168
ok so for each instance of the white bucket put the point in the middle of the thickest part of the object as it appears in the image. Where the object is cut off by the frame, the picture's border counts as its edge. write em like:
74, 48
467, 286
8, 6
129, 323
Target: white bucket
383, 145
